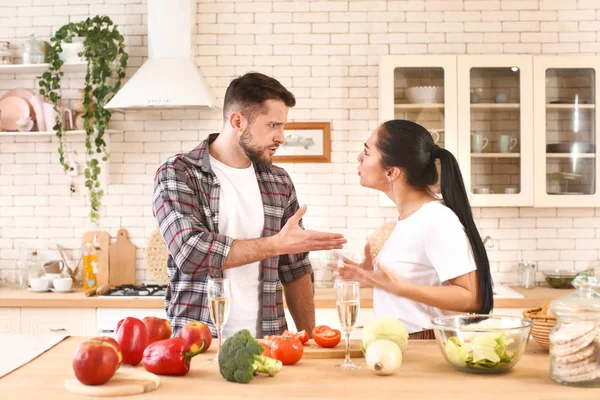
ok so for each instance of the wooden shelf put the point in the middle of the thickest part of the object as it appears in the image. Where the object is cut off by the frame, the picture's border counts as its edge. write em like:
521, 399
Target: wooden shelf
40, 68
496, 155
410, 106
571, 155
493, 106
569, 106
51, 133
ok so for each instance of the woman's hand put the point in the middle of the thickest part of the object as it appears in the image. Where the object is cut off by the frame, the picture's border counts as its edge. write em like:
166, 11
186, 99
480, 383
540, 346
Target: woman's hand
380, 278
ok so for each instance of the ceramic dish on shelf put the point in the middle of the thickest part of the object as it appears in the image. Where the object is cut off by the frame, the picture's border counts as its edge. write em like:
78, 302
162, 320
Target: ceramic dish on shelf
25, 95
573, 147
13, 108
425, 94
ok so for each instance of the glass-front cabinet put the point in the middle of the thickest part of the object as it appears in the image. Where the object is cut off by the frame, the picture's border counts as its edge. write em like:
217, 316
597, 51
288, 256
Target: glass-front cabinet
421, 89
495, 125
566, 131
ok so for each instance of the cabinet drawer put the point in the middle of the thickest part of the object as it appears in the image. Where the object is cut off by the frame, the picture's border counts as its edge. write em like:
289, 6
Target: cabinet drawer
10, 320
68, 321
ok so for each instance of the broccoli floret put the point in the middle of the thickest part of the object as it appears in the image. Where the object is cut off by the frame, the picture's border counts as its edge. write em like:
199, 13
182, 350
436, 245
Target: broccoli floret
240, 359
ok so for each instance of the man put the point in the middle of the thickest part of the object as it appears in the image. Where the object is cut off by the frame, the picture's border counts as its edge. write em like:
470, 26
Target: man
225, 211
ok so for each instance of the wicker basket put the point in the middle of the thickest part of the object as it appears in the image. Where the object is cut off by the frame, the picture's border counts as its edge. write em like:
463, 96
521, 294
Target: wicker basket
542, 325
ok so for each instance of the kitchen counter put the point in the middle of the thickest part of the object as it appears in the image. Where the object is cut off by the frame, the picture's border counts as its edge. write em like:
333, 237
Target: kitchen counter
11, 296
423, 375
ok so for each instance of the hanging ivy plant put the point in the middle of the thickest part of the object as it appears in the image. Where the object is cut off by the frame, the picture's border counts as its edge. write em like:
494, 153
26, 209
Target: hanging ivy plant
104, 51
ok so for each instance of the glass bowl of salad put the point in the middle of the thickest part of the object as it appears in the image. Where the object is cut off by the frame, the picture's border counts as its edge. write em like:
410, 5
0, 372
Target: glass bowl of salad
487, 344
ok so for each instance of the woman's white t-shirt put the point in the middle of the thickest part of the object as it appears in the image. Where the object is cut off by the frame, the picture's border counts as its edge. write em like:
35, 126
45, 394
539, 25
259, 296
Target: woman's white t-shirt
428, 248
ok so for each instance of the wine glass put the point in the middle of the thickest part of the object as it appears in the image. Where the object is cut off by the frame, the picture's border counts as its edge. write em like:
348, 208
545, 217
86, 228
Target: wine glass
219, 303
348, 306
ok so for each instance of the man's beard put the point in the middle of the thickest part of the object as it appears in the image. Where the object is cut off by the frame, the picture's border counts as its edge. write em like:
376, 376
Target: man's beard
256, 155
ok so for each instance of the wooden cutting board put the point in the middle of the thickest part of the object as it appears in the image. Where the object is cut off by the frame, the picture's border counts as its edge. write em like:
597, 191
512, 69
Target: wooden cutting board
122, 260
313, 351
125, 382
101, 239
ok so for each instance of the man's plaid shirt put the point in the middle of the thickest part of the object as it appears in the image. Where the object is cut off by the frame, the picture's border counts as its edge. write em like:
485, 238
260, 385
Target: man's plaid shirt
186, 206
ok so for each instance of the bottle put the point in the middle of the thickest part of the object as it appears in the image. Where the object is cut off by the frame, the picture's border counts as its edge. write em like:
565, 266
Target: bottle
90, 267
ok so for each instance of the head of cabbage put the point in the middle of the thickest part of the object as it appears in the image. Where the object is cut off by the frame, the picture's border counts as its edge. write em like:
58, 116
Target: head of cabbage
385, 327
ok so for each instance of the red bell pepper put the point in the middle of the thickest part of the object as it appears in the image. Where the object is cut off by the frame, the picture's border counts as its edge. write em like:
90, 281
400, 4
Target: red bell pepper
132, 337
169, 357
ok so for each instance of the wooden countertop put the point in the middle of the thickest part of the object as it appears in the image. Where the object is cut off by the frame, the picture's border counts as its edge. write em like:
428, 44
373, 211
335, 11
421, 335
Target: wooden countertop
11, 296
424, 375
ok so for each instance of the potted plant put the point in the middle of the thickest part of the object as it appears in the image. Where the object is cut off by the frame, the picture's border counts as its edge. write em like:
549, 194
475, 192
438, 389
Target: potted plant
104, 51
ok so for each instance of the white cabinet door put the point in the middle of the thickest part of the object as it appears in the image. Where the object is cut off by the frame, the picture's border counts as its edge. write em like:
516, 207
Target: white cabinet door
10, 320
404, 85
566, 134
107, 318
69, 321
495, 125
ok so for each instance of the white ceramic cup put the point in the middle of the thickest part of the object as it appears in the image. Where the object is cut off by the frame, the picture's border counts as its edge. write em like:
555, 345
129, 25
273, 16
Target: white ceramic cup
506, 143
478, 143
63, 284
52, 277
511, 190
482, 190
39, 283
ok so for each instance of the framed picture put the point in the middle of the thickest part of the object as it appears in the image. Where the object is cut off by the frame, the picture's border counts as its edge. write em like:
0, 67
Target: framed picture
305, 142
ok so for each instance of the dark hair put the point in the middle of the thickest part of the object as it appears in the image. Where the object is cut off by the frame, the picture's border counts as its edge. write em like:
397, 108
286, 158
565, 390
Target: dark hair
249, 92
409, 146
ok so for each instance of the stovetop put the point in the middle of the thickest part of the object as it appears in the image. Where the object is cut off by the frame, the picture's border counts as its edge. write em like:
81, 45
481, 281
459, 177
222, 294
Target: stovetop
137, 291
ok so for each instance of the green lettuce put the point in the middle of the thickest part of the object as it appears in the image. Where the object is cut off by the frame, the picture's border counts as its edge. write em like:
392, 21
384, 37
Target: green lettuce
485, 351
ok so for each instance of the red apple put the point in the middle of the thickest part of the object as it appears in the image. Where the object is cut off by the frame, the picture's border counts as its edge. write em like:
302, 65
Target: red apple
157, 328
113, 342
193, 333
95, 362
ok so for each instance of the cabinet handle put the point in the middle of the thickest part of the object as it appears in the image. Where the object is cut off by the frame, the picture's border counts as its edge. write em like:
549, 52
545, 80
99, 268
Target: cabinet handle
107, 331
58, 330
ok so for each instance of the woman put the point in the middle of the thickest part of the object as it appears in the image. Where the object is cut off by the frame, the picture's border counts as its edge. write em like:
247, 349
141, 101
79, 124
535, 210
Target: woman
434, 259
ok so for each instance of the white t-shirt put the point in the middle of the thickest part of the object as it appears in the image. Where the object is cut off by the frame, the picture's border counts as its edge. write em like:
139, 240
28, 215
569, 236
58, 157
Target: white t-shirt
239, 218
428, 248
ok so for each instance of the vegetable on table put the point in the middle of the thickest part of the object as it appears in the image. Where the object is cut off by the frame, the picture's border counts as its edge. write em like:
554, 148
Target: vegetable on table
384, 357
169, 357
485, 351
240, 359
385, 327
287, 349
324, 336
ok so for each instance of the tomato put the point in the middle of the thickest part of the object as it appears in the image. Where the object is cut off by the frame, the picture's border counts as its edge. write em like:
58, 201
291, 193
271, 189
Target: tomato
302, 335
266, 344
287, 349
324, 336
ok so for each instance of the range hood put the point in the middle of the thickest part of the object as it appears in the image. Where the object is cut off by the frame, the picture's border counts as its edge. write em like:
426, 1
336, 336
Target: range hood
170, 77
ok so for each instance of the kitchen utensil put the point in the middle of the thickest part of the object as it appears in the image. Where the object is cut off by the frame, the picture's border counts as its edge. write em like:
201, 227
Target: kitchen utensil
560, 278
24, 124
62, 284
526, 275
5, 53
54, 267
122, 260
125, 382
72, 272
39, 284
506, 143
572, 147
156, 256
37, 102
313, 351
478, 143
25, 95
455, 334
101, 241
425, 94
500, 98
50, 116
13, 108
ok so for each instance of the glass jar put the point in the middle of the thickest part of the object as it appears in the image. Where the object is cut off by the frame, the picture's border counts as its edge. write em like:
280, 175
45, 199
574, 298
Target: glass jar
526, 275
575, 339
32, 51
5, 53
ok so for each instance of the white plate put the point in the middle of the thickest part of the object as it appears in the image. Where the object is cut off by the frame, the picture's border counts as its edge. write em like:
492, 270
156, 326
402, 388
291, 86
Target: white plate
62, 291
38, 290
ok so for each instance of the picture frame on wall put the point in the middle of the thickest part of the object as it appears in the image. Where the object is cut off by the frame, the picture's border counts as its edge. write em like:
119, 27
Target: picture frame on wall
305, 142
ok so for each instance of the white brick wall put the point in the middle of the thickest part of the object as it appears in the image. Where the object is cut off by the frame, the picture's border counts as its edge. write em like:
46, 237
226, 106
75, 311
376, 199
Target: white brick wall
327, 53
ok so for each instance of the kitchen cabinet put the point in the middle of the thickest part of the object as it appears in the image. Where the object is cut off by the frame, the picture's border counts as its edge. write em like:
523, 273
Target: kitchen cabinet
566, 136
495, 121
403, 94
523, 127
67, 321
10, 320
107, 318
